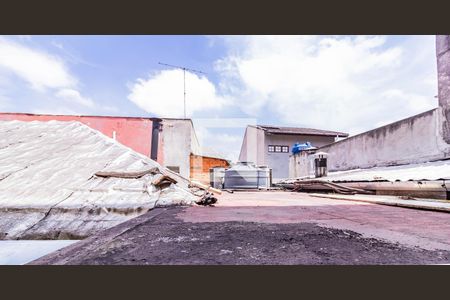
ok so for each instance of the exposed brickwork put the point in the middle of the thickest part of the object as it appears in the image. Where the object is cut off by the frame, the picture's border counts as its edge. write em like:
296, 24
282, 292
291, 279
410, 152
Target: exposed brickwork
200, 166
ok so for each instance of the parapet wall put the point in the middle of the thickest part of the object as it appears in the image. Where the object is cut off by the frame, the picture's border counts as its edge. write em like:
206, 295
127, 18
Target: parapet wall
415, 139
135, 133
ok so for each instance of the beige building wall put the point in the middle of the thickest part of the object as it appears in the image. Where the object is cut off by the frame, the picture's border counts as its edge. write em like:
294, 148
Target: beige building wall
178, 140
252, 149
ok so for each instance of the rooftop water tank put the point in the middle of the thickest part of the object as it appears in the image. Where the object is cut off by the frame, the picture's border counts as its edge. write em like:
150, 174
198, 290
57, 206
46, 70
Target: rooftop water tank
246, 175
216, 177
301, 146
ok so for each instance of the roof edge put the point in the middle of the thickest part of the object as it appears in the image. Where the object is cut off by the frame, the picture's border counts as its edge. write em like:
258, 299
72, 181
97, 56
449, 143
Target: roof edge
91, 116
335, 133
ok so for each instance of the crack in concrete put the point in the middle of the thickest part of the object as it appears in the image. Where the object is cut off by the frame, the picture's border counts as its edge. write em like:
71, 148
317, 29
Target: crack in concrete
14, 172
46, 214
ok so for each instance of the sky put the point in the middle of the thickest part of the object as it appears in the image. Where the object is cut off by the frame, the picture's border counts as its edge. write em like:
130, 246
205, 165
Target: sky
343, 83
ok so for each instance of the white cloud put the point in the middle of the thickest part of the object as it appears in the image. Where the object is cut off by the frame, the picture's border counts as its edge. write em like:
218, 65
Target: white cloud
162, 94
74, 96
41, 70
4, 102
58, 45
25, 37
55, 111
223, 145
218, 144
110, 108
349, 84
342, 83
221, 137
48, 77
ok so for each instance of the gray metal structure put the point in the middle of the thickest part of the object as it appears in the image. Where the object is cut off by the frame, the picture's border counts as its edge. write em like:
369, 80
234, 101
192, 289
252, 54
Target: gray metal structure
216, 177
245, 175
320, 164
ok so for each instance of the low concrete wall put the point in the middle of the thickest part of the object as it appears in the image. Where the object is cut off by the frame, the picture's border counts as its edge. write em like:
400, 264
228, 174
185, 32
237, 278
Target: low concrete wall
415, 139
301, 164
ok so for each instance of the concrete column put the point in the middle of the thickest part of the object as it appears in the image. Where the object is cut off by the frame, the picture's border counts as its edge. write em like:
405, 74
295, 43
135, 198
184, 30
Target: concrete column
443, 68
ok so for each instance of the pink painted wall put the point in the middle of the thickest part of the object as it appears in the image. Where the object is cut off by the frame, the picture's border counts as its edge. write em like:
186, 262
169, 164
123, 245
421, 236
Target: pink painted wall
135, 133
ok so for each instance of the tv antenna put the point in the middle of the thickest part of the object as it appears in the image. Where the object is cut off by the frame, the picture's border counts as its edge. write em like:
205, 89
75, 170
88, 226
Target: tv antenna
184, 80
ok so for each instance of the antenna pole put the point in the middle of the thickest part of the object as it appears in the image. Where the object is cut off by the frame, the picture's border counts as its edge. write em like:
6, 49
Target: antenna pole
184, 89
184, 80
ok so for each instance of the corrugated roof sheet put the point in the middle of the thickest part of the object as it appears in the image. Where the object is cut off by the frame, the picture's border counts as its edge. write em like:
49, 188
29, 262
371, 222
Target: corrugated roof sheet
49, 167
436, 170
302, 131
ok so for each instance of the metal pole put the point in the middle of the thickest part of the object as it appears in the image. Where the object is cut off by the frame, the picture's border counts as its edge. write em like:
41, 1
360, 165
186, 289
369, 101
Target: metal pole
184, 80
184, 89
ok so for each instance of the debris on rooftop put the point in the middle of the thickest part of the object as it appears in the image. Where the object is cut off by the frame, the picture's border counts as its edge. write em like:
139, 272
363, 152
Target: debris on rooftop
66, 180
429, 180
207, 199
312, 184
435, 170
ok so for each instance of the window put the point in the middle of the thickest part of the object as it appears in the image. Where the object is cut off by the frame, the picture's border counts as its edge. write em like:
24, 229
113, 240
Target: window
278, 149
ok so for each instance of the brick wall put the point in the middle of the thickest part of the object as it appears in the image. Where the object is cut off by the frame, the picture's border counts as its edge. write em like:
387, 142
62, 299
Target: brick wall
200, 165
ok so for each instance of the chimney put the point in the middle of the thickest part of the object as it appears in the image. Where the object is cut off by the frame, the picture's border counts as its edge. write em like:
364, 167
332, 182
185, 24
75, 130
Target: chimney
443, 68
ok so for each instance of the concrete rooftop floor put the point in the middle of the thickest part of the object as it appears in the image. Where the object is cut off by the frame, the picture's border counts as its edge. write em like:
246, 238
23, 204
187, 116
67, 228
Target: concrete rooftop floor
274, 227
410, 227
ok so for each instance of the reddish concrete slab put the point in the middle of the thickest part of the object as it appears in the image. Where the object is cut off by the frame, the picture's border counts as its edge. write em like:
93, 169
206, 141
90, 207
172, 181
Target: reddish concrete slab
410, 227
160, 237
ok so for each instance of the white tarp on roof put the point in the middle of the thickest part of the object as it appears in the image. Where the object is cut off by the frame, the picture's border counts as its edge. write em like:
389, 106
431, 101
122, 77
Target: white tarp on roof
424, 171
47, 180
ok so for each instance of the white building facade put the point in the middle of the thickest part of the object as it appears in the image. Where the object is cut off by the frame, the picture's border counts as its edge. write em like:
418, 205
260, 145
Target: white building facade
272, 145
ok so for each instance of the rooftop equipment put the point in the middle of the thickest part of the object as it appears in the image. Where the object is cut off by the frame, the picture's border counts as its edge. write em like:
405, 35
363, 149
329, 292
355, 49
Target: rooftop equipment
320, 164
301, 146
246, 175
216, 177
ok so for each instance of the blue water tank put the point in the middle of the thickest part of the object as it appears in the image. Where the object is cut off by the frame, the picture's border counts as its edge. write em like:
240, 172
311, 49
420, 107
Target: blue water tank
299, 147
